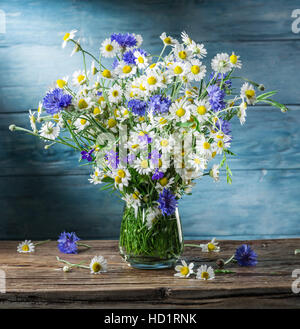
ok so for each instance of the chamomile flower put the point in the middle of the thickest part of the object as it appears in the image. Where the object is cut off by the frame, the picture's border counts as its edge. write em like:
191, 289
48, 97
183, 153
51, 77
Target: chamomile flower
76, 48
235, 61
32, 119
186, 39
195, 70
107, 74
184, 270
164, 182
133, 200
67, 37
26, 247
81, 123
215, 172
152, 217
165, 144
197, 162
205, 273
121, 177
203, 146
168, 40
109, 48
242, 112
141, 59
97, 176
94, 69
182, 53
61, 83
211, 246
248, 93
197, 49
201, 110
142, 166
79, 78
221, 63
178, 69
39, 110
98, 265
115, 94
153, 81
124, 70
180, 111
49, 130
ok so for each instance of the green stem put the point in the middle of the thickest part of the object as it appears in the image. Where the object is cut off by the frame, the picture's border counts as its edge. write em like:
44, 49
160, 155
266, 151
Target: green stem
192, 245
41, 242
83, 245
71, 264
229, 260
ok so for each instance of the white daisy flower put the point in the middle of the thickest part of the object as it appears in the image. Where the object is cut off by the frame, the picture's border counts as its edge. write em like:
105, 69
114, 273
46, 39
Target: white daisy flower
61, 83
121, 177
203, 146
215, 172
39, 110
124, 70
184, 270
165, 144
32, 120
67, 37
115, 94
140, 60
180, 111
248, 93
167, 40
76, 48
164, 182
182, 53
107, 74
186, 39
26, 247
235, 61
152, 216
197, 49
49, 130
197, 162
142, 166
205, 273
94, 69
242, 112
97, 176
195, 70
153, 81
200, 110
211, 246
221, 63
98, 265
178, 69
81, 123
109, 48
133, 200
79, 78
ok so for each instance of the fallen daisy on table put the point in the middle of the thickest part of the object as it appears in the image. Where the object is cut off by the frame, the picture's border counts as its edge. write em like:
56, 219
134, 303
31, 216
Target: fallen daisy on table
205, 273
184, 270
28, 246
211, 246
98, 265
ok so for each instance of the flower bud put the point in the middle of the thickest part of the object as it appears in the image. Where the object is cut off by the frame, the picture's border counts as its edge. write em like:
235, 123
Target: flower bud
12, 127
220, 263
66, 268
261, 87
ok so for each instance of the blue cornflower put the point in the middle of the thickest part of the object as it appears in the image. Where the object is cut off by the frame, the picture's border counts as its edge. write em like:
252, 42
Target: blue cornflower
129, 58
245, 256
112, 158
226, 83
67, 243
159, 104
145, 139
157, 175
130, 158
87, 155
124, 40
138, 107
224, 125
216, 98
115, 63
154, 156
167, 202
56, 100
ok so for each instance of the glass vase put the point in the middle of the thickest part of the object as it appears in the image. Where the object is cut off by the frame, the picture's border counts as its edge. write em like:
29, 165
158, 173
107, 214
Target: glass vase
150, 242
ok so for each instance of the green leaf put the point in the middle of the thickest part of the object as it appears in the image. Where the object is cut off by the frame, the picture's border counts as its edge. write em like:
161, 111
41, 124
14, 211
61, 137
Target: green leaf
224, 271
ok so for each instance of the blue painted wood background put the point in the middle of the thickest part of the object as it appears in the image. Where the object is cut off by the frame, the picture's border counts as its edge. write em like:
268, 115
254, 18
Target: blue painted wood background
45, 192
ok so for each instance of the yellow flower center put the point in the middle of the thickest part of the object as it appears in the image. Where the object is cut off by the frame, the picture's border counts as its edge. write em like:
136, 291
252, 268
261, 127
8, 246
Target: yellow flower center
25, 247
80, 78
233, 59
220, 144
142, 87
163, 181
178, 70
184, 270
61, 83
141, 59
96, 111
167, 40
211, 247
82, 104
101, 99
96, 267
125, 112
152, 65
213, 154
164, 143
66, 36
134, 146
201, 109
115, 93
82, 122
206, 145
151, 80
127, 69
118, 179
197, 160
109, 47
144, 164
205, 275
180, 112
111, 123
163, 121
250, 93
106, 74
159, 163
121, 173
195, 69
182, 54
135, 195
141, 118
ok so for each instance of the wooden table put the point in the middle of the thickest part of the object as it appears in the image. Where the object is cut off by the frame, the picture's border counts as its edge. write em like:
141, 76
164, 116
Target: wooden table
37, 281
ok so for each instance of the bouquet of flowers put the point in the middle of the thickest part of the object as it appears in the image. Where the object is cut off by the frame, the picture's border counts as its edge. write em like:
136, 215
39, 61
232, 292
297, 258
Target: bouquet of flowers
149, 126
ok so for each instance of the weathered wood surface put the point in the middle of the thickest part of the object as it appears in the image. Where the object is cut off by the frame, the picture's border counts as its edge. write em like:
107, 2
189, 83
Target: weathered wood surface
258, 203
37, 281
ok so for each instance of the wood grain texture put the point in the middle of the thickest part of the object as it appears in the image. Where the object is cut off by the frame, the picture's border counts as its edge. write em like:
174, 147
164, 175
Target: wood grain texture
37, 281
258, 203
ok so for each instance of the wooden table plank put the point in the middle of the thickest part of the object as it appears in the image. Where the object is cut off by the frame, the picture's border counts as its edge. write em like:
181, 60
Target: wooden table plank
37, 281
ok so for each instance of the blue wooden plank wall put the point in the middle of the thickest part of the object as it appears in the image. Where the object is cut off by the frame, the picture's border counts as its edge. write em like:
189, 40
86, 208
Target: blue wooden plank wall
45, 192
